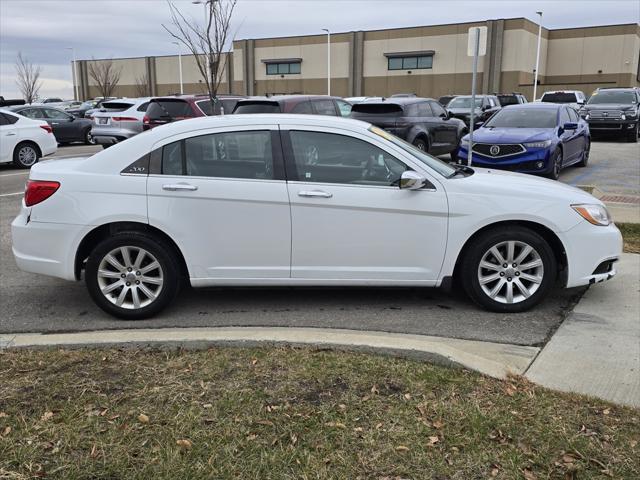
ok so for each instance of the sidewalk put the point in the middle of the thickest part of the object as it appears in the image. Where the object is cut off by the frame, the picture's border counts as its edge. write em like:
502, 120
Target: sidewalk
596, 351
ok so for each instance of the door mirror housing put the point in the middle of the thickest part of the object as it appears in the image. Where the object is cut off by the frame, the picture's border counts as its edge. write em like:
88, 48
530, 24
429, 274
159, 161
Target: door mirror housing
411, 180
570, 126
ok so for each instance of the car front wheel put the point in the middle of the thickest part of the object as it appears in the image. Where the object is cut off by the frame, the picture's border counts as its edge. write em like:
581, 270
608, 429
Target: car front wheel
132, 275
556, 164
509, 270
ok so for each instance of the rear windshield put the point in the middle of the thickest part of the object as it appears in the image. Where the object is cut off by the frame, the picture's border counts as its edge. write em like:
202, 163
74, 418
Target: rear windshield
508, 100
228, 104
377, 109
524, 118
169, 109
621, 97
257, 107
464, 102
116, 106
559, 97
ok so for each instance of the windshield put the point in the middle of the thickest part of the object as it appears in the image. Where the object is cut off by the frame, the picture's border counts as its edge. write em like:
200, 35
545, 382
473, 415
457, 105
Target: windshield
625, 98
439, 166
559, 97
524, 118
463, 102
166, 108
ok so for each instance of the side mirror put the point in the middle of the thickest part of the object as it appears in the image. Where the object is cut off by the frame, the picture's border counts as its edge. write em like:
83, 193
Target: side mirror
411, 180
570, 126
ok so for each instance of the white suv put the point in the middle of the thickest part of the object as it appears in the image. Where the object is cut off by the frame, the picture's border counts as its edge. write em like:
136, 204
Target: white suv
575, 98
23, 140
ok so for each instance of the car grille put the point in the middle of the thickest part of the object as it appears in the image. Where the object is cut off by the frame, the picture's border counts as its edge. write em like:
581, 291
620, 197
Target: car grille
605, 126
608, 114
498, 150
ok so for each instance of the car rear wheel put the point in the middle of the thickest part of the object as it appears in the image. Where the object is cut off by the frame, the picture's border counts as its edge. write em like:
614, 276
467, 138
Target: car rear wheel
508, 270
421, 144
585, 155
26, 155
88, 138
132, 276
556, 164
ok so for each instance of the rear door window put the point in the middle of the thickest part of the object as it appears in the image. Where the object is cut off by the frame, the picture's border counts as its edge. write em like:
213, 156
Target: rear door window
344, 108
303, 108
424, 110
56, 114
437, 109
34, 113
324, 107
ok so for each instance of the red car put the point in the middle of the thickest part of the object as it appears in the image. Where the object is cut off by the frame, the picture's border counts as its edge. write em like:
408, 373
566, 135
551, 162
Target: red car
307, 104
163, 110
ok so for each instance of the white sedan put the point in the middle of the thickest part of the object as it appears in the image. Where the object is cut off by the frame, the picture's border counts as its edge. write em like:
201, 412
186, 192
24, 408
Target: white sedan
258, 200
23, 140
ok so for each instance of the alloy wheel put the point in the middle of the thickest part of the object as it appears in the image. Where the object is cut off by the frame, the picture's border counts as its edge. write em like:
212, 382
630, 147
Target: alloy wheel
130, 277
510, 272
27, 156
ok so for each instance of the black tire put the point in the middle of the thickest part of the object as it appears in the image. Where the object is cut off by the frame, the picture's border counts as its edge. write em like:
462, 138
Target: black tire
88, 139
556, 164
584, 161
470, 269
26, 155
632, 137
421, 144
168, 273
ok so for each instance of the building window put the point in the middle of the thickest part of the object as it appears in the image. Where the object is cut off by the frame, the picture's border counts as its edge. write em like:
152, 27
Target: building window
285, 68
410, 62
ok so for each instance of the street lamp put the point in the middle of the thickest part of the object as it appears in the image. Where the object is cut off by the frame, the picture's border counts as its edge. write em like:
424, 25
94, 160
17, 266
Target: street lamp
535, 75
179, 66
73, 71
328, 60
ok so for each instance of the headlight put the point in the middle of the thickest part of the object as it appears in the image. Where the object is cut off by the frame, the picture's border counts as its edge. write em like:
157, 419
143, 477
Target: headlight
623, 116
587, 116
544, 144
594, 214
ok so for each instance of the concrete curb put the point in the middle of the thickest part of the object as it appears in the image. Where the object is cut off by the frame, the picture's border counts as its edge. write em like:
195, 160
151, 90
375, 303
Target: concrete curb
493, 359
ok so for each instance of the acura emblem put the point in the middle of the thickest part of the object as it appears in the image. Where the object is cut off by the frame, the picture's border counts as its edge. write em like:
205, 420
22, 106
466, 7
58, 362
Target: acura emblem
494, 150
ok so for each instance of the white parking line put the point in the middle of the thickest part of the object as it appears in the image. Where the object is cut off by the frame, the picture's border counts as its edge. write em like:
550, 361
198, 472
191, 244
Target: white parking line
11, 194
13, 174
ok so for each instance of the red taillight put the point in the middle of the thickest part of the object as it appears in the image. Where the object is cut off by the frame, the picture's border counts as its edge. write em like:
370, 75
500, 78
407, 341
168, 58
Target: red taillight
124, 119
46, 128
38, 191
145, 120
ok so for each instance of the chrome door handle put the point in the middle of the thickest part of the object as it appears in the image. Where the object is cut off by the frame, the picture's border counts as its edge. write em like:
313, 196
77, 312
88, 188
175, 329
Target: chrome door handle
172, 187
315, 193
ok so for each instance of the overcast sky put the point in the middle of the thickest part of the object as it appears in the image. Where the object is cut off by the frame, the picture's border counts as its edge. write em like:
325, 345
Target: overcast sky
42, 29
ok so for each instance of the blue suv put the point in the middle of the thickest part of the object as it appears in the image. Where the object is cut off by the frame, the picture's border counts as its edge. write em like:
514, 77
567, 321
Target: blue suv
537, 138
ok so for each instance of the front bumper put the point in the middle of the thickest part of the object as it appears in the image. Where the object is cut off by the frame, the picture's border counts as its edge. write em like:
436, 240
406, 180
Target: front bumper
109, 135
46, 248
533, 160
612, 125
591, 253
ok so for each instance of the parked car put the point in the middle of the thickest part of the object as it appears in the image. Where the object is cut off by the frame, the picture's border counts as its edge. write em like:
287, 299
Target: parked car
507, 99
117, 120
445, 99
486, 105
575, 98
533, 138
66, 127
84, 108
423, 122
258, 200
23, 140
51, 100
306, 104
615, 111
8, 102
163, 110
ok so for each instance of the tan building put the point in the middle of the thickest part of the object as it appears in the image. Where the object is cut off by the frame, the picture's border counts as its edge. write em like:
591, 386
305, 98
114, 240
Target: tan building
429, 61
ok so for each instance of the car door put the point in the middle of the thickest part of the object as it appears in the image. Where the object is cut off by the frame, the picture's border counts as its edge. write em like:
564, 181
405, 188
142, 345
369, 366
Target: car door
581, 132
351, 223
62, 125
570, 138
448, 128
8, 137
222, 196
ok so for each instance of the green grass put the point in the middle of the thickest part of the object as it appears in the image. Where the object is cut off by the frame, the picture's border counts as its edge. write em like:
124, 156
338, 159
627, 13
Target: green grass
294, 413
631, 236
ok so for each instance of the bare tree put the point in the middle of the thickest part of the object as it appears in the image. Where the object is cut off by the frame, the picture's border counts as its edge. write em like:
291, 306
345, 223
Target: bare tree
105, 75
206, 42
142, 86
28, 80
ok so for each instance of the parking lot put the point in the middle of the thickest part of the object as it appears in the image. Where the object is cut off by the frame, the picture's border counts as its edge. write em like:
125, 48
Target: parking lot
40, 304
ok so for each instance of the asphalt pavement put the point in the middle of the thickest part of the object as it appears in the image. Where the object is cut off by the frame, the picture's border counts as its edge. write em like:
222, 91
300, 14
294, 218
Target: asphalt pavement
31, 303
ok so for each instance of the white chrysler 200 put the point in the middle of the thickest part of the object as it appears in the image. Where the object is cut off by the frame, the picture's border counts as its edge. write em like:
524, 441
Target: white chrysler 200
302, 200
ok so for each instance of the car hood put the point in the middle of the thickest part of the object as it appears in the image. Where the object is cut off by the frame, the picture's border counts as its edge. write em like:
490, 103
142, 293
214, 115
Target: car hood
610, 106
511, 135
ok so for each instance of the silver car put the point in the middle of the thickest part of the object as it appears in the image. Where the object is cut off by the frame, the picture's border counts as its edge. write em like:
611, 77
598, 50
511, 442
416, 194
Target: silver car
118, 120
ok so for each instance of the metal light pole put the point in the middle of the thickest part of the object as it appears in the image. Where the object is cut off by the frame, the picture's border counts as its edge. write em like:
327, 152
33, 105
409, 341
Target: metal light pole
180, 67
328, 60
73, 70
535, 75
476, 48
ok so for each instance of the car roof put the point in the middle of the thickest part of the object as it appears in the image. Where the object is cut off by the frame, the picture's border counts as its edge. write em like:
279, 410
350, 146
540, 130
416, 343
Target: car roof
538, 105
397, 100
198, 96
285, 98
